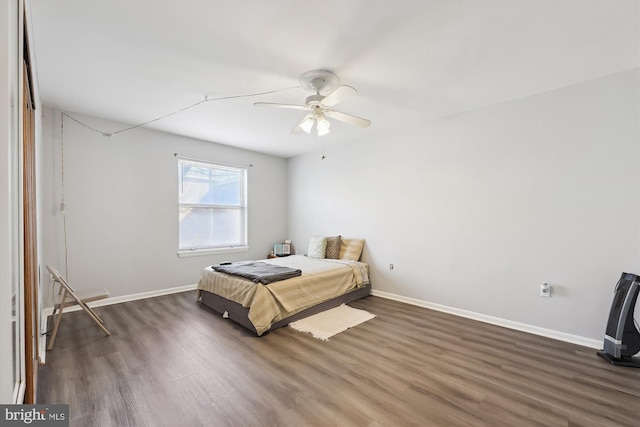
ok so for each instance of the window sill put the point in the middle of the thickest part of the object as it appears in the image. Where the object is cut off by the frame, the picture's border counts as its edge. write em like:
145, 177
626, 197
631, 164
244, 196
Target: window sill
204, 252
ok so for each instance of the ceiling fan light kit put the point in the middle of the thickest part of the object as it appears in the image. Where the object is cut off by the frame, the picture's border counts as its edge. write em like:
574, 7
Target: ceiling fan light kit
307, 123
322, 125
320, 81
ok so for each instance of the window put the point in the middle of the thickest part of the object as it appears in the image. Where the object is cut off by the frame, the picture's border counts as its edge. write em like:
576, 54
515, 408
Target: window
212, 206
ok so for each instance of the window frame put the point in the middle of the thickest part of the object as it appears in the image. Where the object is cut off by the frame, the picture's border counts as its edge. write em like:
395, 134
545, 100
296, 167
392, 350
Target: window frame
242, 207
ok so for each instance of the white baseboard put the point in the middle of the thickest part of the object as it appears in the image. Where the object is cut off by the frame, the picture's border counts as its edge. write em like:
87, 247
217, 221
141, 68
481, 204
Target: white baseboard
48, 311
549, 333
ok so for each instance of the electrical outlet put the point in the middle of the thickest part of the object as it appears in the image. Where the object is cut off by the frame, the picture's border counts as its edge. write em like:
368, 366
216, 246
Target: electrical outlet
545, 290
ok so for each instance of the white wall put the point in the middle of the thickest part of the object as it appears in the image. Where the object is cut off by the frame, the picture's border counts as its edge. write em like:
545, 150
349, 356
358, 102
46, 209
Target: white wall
122, 209
10, 256
477, 210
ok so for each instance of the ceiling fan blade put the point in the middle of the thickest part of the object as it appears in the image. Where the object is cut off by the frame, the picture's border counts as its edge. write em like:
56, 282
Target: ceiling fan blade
274, 105
348, 118
304, 123
337, 95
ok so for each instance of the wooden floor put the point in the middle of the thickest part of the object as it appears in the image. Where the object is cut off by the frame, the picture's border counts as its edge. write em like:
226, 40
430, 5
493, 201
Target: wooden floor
171, 362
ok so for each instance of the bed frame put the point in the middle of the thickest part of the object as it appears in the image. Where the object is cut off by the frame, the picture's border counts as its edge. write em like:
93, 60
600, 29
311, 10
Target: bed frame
240, 314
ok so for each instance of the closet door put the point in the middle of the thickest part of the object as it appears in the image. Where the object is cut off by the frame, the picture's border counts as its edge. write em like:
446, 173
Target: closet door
30, 231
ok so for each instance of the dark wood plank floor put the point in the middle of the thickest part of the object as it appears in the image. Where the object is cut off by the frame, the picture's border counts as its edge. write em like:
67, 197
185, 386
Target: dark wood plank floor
171, 362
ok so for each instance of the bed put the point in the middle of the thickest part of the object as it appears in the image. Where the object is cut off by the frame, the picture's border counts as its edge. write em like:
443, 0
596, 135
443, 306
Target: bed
324, 283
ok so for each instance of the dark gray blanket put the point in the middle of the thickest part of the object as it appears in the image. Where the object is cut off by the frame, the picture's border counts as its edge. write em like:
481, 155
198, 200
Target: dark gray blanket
259, 272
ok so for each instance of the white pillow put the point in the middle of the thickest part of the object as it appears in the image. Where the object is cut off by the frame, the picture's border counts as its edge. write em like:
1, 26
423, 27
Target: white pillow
317, 247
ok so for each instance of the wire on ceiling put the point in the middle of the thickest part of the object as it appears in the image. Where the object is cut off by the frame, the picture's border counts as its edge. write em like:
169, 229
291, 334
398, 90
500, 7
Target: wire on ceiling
206, 99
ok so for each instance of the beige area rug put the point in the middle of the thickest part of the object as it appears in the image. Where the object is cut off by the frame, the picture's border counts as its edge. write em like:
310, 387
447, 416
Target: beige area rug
331, 322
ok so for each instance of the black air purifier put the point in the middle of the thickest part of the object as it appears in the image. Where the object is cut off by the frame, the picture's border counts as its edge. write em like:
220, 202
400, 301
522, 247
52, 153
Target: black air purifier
622, 337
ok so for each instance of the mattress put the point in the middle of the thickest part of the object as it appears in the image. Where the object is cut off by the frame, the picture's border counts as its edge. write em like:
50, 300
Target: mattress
321, 280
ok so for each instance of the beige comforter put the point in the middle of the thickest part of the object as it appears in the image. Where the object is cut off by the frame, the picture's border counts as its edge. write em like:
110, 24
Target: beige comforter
321, 280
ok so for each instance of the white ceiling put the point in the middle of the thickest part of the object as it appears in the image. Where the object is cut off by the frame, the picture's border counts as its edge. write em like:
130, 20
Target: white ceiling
411, 61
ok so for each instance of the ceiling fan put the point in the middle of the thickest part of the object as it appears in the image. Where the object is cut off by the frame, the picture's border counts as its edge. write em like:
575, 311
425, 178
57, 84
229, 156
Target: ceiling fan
319, 105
